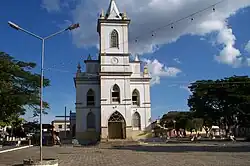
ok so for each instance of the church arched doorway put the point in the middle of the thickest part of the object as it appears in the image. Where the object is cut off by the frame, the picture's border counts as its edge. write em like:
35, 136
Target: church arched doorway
116, 126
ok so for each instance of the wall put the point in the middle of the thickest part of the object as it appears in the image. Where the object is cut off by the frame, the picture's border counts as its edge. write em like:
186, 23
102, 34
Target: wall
92, 66
125, 108
145, 104
81, 105
56, 126
135, 68
106, 29
107, 107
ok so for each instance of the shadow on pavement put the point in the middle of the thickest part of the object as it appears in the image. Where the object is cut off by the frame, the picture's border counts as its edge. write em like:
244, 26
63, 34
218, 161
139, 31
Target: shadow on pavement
180, 148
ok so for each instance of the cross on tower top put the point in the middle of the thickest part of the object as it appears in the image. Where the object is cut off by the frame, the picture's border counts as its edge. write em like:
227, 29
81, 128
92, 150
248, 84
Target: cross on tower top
113, 12
89, 57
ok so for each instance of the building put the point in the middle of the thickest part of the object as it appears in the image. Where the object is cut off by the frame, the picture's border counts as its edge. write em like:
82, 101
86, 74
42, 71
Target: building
59, 127
112, 95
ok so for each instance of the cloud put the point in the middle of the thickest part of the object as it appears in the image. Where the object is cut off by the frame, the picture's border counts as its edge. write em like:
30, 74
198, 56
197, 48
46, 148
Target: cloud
228, 55
187, 89
177, 60
57, 5
157, 70
51, 5
247, 47
153, 14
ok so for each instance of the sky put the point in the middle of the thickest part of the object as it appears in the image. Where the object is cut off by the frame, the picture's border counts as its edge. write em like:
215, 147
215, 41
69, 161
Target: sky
211, 44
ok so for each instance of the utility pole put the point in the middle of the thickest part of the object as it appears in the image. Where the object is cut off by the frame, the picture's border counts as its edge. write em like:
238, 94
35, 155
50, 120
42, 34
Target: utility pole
43, 39
65, 121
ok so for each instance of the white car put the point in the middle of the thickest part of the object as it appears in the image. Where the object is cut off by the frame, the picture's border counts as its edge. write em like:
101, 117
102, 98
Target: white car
30, 134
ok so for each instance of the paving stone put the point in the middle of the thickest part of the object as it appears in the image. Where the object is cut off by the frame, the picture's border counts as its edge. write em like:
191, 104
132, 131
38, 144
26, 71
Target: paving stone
135, 155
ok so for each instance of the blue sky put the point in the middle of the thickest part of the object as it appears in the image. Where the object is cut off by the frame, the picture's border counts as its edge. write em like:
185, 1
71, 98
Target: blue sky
182, 55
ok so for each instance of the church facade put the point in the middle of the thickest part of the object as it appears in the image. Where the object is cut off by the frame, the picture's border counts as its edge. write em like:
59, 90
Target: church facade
112, 94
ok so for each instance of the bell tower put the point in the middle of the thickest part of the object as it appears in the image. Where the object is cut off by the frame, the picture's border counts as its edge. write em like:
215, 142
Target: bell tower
112, 27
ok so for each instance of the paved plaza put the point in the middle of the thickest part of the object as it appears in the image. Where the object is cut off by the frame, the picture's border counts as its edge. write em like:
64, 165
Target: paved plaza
139, 155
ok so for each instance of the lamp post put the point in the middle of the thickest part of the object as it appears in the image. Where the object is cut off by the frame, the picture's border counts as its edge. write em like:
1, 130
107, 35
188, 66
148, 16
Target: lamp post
174, 121
17, 27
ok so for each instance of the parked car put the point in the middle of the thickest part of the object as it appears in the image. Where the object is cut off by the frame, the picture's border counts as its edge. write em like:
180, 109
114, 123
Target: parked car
30, 134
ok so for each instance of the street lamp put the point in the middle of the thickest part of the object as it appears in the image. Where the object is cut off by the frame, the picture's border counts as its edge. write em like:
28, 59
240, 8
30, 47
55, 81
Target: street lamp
174, 121
17, 27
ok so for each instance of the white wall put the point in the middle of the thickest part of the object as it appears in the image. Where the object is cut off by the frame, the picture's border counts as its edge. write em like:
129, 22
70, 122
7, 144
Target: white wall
107, 83
92, 67
104, 106
115, 68
106, 29
81, 118
122, 60
135, 68
145, 107
83, 88
82, 109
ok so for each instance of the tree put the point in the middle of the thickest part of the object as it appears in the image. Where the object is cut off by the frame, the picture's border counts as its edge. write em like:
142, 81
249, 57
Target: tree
180, 118
225, 99
197, 124
19, 89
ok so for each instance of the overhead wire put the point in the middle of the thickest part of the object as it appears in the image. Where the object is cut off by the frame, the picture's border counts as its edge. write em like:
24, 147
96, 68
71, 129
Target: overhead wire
170, 82
153, 34
153, 31
171, 24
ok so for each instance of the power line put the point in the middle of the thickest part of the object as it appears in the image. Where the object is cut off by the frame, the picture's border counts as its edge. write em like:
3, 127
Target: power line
59, 70
209, 83
170, 82
176, 21
153, 31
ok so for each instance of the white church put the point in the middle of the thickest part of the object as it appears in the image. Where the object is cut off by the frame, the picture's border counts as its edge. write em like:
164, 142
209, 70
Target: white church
112, 94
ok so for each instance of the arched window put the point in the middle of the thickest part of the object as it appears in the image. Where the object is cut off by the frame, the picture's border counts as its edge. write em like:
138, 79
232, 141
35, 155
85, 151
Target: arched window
136, 123
115, 94
90, 98
136, 97
91, 120
114, 39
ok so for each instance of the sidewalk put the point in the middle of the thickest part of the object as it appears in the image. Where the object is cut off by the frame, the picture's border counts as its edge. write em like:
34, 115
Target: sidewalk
5, 149
187, 140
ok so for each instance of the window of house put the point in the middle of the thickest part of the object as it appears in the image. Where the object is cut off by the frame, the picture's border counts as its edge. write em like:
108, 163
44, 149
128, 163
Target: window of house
116, 94
114, 41
136, 121
90, 98
136, 97
91, 121
60, 126
68, 126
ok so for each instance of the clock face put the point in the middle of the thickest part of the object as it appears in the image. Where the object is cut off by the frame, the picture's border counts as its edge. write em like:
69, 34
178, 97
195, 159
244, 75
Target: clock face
114, 60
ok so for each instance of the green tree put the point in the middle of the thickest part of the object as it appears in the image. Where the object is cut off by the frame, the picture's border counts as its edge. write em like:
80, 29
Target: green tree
227, 98
180, 118
197, 124
19, 89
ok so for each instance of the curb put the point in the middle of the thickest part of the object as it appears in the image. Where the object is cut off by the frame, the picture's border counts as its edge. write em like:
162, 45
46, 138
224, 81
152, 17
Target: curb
13, 149
176, 144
